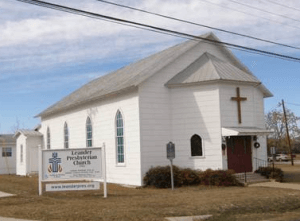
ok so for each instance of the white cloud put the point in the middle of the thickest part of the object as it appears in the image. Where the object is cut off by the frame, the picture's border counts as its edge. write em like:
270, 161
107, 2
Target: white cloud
33, 37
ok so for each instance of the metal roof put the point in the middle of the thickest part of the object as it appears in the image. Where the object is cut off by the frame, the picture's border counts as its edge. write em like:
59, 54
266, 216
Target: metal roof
7, 139
127, 77
130, 77
240, 131
209, 68
28, 133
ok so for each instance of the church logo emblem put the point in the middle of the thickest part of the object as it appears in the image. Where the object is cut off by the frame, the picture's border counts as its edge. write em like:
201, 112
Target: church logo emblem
54, 164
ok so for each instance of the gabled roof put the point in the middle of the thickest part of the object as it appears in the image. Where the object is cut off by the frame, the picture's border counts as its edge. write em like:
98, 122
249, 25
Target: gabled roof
7, 139
28, 133
124, 79
130, 77
210, 68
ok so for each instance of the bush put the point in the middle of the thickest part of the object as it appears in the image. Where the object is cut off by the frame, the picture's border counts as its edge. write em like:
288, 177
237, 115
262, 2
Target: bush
268, 172
160, 177
189, 177
219, 178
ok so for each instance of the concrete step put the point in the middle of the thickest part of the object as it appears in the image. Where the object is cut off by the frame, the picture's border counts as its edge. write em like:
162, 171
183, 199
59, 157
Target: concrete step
250, 177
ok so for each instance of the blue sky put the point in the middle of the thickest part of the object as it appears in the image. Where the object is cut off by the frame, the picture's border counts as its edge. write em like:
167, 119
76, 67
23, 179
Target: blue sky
46, 54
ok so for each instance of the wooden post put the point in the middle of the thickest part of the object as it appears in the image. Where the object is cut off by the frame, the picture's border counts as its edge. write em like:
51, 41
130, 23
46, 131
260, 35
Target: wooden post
287, 132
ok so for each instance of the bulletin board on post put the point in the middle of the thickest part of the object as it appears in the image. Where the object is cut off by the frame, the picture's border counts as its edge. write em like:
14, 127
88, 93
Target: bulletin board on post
77, 164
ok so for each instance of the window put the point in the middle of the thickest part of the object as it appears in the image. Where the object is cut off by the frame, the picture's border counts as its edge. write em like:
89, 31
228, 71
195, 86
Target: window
89, 133
21, 153
120, 138
48, 139
196, 145
6, 152
66, 136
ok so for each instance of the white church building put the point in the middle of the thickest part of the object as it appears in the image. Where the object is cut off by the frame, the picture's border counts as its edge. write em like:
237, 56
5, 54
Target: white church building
196, 94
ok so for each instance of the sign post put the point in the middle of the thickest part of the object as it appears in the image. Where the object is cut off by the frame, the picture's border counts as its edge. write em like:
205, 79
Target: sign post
104, 171
171, 156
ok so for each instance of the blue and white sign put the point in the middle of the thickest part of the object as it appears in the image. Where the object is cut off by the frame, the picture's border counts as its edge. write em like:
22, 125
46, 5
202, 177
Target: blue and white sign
71, 164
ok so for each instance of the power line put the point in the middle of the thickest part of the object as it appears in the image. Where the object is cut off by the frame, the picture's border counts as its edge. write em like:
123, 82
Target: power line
246, 13
262, 10
155, 28
293, 104
197, 24
282, 5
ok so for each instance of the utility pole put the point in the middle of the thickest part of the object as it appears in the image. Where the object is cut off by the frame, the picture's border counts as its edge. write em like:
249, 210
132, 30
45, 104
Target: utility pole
287, 132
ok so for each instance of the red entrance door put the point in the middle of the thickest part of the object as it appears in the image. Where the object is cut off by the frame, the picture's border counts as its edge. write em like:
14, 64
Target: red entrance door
239, 154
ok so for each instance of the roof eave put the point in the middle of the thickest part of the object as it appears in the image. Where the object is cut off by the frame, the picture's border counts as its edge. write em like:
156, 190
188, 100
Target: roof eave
76, 105
170, 85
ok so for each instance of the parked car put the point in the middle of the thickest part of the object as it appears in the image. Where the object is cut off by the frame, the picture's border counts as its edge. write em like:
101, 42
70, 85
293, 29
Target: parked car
282, 157
270, 158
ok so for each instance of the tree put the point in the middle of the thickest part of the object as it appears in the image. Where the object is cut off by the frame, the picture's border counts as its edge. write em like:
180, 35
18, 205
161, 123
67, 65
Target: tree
275, 122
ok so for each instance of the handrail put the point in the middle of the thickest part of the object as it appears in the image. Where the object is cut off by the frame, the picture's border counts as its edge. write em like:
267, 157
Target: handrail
260, 163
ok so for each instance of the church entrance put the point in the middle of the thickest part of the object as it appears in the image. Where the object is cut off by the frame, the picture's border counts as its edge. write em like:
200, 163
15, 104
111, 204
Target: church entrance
239, 153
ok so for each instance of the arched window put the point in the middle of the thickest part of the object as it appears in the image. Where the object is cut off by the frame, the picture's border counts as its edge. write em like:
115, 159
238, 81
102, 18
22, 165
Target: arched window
120, 138
89, 133
66, 136
48, 139
196, 145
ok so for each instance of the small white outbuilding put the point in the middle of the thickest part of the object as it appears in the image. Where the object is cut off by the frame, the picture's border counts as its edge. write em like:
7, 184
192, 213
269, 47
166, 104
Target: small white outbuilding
8, 154
27, 151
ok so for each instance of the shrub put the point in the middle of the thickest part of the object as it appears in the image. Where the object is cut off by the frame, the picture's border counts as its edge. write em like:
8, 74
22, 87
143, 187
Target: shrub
160, 177
219, 178
190, 177
268, 172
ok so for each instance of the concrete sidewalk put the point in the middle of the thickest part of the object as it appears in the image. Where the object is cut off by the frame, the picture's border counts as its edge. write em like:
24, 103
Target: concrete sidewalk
277, 185
2, 194
12, 219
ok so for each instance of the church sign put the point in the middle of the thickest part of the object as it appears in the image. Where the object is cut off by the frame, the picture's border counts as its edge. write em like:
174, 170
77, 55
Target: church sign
85, 164
67, 164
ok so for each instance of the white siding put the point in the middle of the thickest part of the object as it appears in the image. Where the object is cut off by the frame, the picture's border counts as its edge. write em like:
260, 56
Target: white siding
195, 110
8, 164
157, 112
252, 113
32, 154
103, 115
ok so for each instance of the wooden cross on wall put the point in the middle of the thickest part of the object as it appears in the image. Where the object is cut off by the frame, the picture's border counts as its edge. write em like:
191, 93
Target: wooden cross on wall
238, 99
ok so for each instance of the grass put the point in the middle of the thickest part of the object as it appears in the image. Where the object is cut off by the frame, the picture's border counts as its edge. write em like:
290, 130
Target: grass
291, 173
224, 203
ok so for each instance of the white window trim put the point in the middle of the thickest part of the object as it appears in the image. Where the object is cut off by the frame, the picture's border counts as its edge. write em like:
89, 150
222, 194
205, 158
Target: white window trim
6, 148
48, 140
21, 154
203, 149
65, 136
118, 164
86, 132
